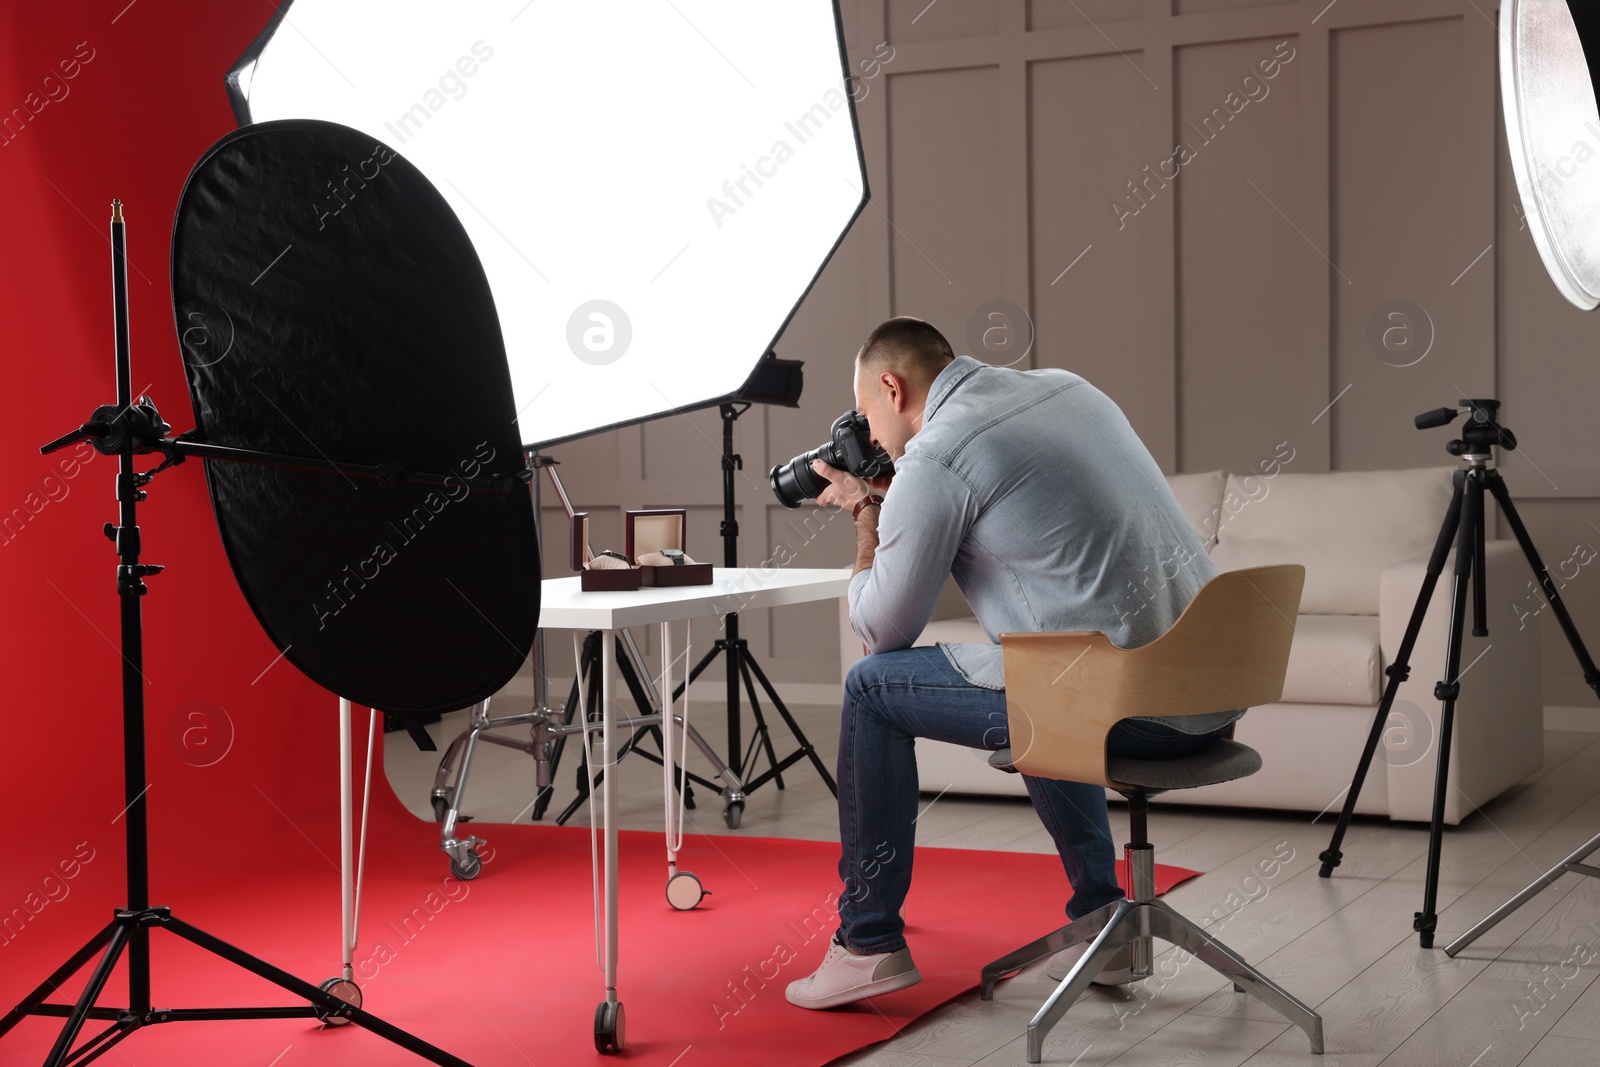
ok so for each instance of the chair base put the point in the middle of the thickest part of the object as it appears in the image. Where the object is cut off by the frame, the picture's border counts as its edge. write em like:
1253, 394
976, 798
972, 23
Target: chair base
1125, 922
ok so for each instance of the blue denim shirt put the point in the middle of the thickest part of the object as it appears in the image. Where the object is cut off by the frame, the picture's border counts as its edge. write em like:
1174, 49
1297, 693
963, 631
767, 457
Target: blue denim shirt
1031, 489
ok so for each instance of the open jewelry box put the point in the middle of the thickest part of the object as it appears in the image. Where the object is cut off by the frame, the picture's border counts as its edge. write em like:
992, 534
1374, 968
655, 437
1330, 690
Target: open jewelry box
647, 533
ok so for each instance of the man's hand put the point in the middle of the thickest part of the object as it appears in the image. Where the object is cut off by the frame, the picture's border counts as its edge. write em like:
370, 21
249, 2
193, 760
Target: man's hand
845, 489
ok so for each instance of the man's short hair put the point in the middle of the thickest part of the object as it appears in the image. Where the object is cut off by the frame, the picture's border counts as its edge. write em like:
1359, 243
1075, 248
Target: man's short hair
908, 347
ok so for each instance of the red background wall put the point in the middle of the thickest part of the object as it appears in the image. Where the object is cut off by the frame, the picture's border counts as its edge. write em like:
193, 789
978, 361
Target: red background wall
129, 125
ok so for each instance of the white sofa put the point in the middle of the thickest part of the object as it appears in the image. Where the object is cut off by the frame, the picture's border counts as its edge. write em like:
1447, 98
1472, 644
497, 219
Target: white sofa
1364, 538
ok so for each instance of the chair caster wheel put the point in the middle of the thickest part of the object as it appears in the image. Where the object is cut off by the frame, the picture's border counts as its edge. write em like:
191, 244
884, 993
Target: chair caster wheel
467, 869
684, 891
346, 991
733, 814
609, 1038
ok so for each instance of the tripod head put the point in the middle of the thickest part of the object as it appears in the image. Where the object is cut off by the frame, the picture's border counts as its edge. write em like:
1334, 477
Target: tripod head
1478, 436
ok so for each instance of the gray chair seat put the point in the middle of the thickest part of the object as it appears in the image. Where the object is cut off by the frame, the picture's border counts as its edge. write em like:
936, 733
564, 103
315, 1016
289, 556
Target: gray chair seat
1222, 761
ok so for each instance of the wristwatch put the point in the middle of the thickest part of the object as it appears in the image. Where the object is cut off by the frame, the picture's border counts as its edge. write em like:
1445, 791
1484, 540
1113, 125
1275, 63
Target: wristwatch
675, 555
617, 555
870, 498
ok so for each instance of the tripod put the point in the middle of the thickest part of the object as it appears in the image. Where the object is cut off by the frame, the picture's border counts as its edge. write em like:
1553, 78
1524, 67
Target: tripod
1464, 523
741, 665
128, 429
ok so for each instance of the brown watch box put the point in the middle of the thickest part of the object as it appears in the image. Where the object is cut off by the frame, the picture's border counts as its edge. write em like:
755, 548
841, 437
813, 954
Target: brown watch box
621, 579
652, 531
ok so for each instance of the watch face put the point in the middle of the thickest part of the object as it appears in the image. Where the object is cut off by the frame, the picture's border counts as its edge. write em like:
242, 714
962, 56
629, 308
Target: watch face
675, 555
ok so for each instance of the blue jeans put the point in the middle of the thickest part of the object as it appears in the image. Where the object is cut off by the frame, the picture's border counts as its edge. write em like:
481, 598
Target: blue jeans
892, 698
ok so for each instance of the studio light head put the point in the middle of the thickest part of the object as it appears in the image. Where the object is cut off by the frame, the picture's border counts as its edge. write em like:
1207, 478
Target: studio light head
775, 381
1549, 56
652, 188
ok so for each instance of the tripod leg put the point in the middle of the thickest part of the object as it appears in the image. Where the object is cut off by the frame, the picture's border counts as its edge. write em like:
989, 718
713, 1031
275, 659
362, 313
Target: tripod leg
121, 931
591, 713
706, 660
644, 702
760, 735
104, 1041
1427, 920
308, 992
794, 727
1591, 675
541, 800
1398, 671
1573, 861
58, 977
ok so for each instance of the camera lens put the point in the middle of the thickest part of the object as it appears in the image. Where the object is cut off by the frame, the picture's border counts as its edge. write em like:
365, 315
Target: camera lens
794, 482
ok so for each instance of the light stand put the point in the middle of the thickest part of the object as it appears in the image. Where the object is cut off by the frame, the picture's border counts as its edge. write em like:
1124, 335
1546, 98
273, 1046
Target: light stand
1464, 522
128, 429
741, 665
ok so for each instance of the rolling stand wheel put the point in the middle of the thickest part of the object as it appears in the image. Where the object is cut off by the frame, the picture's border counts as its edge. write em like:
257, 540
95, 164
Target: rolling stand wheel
345, 990
609, 1038
733, 813
684, 891
441, 804
467, 869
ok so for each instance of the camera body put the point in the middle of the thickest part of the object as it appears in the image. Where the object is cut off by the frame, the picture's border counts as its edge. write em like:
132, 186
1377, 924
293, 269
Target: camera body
849, 448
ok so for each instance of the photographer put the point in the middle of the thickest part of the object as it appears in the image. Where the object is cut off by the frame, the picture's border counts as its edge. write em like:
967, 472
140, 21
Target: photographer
1034, 492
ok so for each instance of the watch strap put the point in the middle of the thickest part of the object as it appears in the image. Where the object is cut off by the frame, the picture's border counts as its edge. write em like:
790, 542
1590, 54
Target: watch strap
870, 498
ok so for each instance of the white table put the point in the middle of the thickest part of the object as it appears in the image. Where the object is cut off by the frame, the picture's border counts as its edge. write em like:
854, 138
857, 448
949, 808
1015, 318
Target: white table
564, 606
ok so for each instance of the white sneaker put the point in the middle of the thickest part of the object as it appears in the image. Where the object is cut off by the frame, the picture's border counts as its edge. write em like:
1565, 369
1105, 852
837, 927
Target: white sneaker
1119, 971
844, 977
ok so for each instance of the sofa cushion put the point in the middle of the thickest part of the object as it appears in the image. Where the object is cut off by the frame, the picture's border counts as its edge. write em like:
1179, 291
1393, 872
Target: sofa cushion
1200, 497
1334, 659
1346, 527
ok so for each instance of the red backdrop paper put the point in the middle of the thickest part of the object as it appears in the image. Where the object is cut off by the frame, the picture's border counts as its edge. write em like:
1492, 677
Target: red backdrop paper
144, 100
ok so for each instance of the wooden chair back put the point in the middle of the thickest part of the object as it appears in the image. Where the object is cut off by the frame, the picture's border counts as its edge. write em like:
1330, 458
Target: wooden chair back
1229, 649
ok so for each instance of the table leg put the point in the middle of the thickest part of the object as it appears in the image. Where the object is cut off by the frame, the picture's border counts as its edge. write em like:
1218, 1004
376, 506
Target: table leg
667, 732
608, 795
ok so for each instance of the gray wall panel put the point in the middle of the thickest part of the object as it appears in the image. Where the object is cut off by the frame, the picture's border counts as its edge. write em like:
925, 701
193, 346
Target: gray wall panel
1087, 116
1239, 251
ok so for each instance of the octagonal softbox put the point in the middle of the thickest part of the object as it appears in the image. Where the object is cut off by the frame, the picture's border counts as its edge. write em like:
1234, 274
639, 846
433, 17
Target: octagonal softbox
653, 188
330, 306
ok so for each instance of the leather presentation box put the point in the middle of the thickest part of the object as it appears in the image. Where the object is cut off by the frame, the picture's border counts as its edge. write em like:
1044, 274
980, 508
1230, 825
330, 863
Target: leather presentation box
653, 531
620, 579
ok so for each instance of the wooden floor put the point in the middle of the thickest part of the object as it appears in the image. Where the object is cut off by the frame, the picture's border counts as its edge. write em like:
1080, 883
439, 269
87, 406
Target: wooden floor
1525, 993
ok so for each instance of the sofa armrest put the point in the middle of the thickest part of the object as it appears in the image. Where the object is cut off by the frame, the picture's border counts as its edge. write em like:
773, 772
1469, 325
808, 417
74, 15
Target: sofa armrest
1497, 737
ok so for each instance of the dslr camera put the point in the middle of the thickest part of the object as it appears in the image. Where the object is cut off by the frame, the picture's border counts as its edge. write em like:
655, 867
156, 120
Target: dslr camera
849, 448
